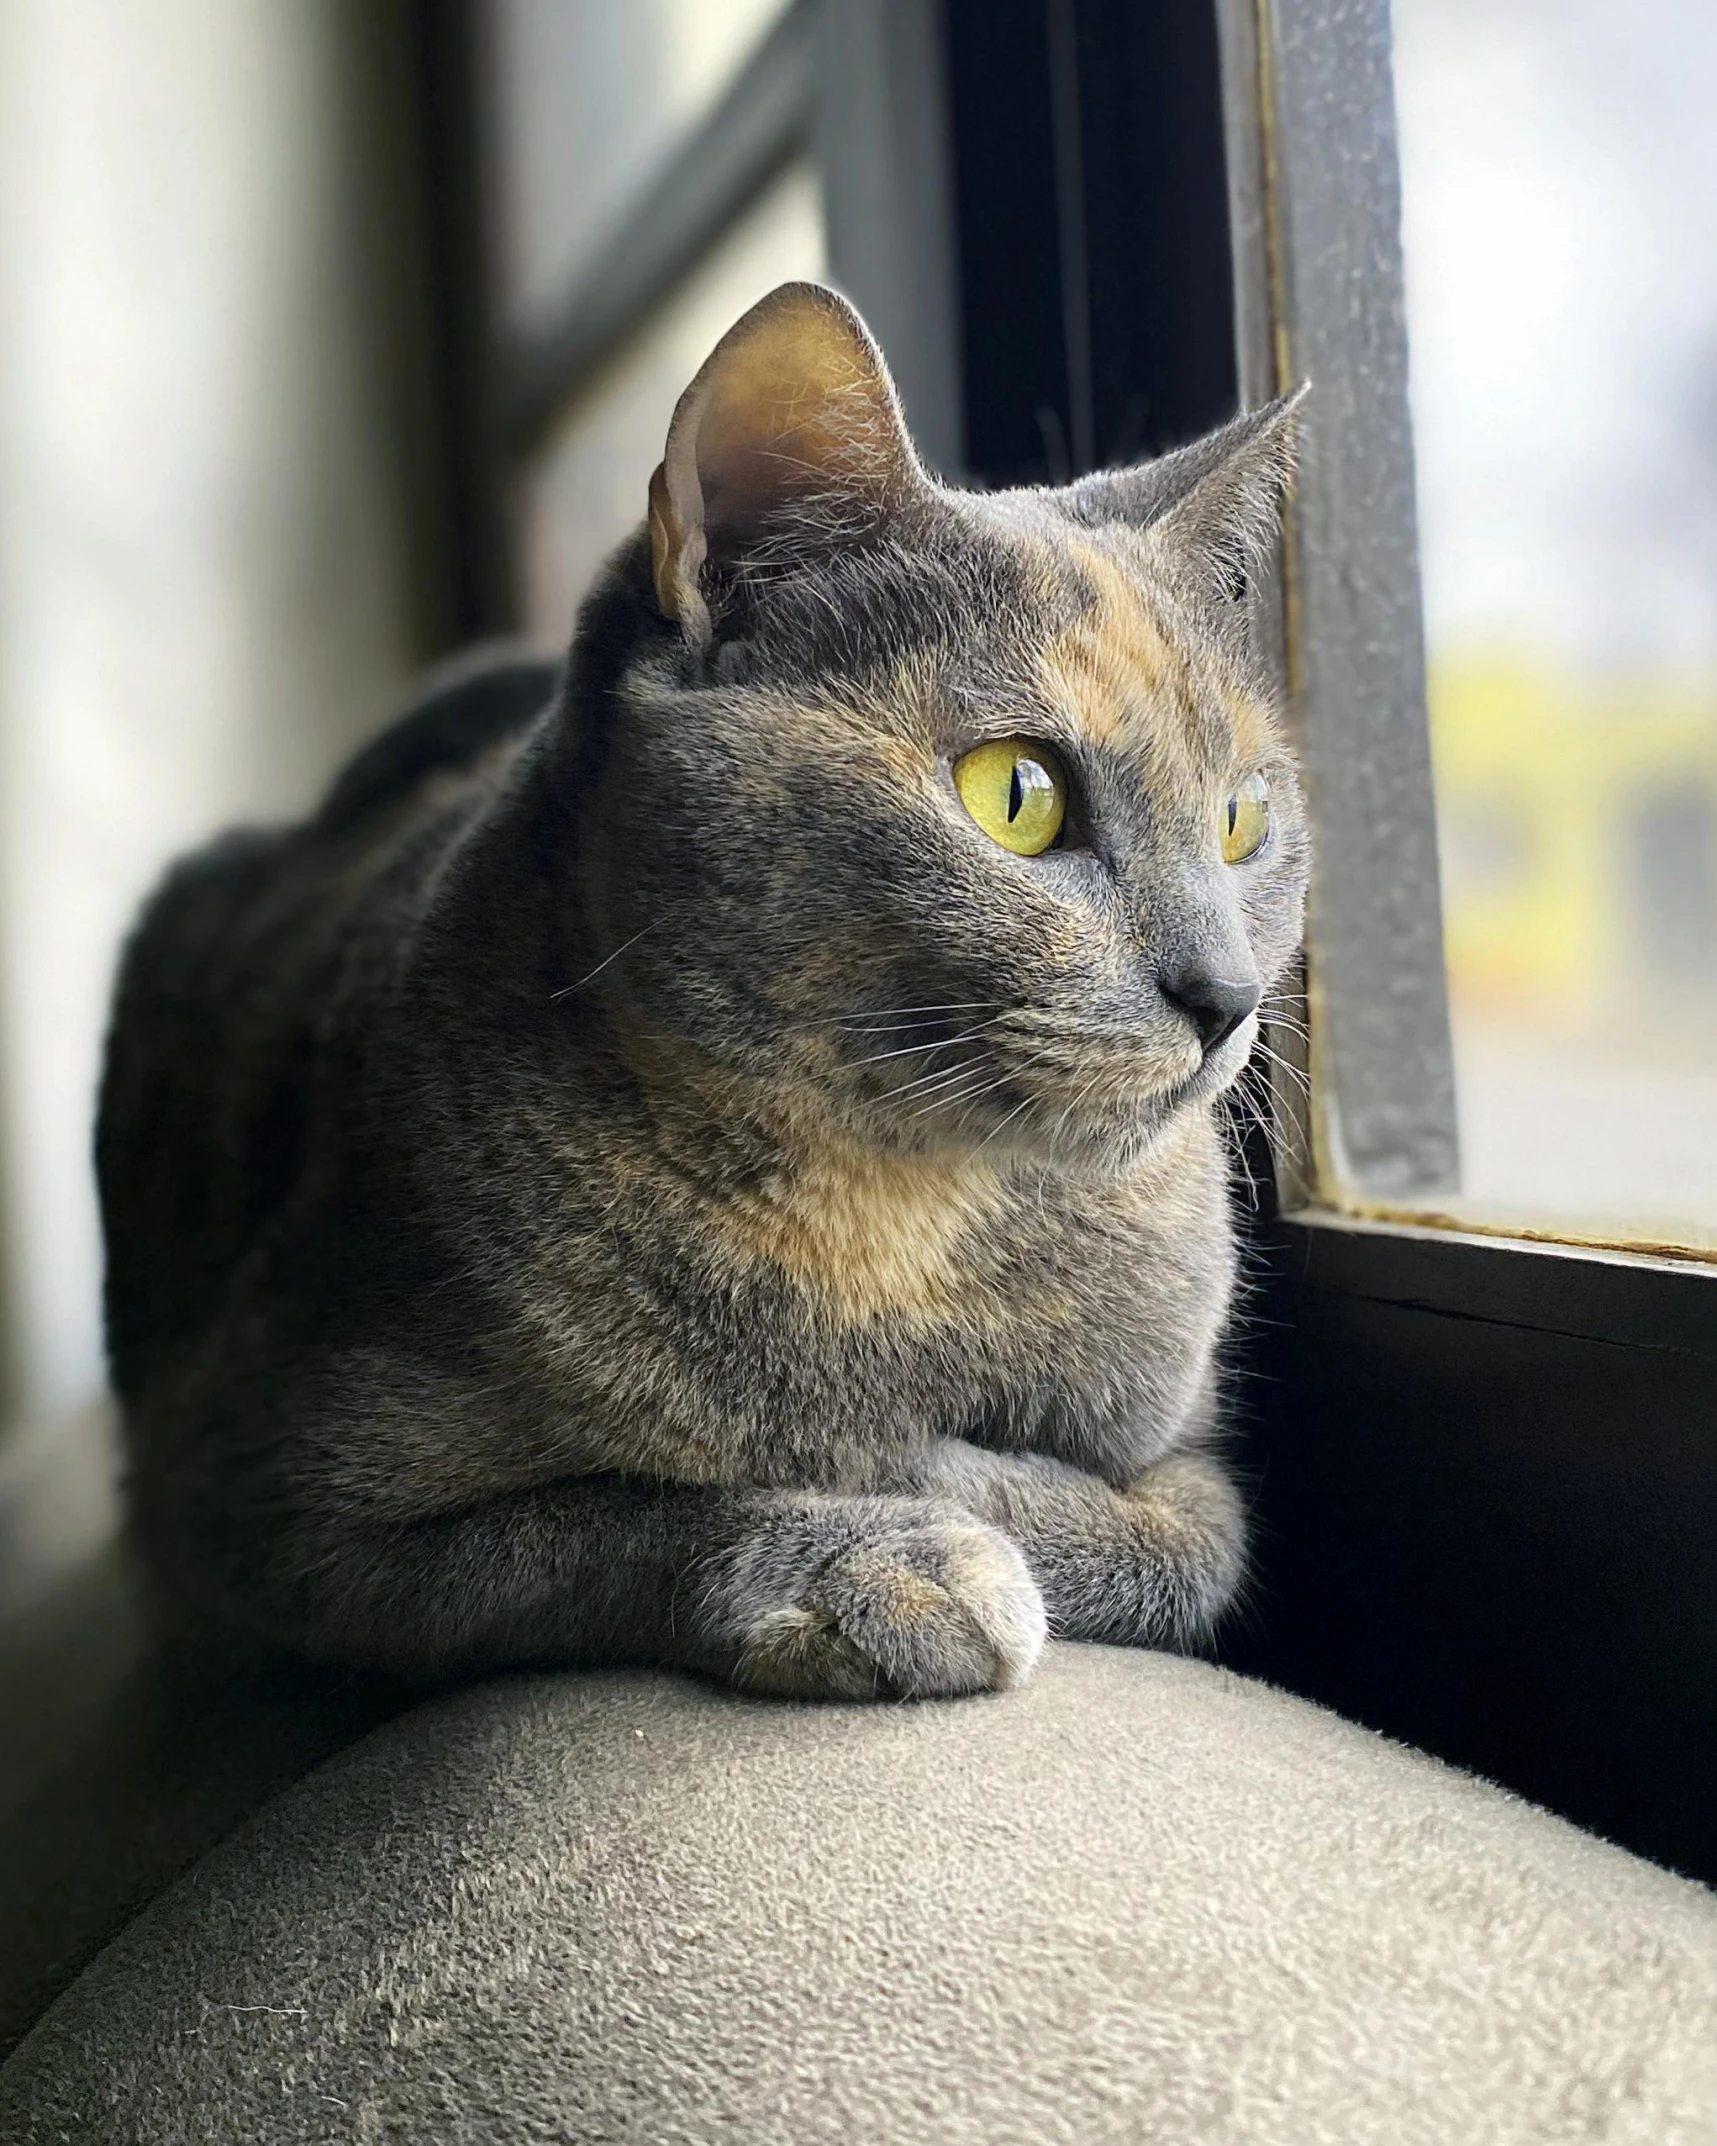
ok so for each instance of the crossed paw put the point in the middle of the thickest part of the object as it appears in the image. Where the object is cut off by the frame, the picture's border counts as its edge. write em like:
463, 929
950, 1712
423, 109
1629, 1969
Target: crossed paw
933, 1609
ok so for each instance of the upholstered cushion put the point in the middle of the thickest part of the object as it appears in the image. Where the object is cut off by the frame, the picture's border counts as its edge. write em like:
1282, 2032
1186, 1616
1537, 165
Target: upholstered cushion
1140, 1900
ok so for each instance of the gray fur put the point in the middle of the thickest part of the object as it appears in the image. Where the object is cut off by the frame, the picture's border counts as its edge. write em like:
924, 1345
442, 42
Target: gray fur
640, 1176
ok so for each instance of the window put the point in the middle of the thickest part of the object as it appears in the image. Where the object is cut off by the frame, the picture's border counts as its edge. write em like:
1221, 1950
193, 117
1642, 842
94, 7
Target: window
1560, 218
1488, 1458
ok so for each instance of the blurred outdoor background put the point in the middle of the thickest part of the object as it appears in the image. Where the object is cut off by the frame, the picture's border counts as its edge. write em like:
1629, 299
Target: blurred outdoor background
257, 257
1559, 173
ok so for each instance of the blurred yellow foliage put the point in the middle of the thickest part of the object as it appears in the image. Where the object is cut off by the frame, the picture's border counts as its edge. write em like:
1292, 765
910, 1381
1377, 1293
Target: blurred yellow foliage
1577, 816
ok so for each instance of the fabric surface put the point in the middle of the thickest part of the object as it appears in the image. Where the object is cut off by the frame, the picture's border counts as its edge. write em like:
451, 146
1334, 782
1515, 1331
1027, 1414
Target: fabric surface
122, 1764
1140, 1900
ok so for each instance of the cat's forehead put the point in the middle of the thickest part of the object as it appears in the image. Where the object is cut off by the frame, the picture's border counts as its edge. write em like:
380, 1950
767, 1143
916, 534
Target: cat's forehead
1130, 667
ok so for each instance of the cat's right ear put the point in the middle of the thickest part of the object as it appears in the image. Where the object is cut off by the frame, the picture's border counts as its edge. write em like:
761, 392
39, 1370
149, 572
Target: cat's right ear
791, 433
1213, 506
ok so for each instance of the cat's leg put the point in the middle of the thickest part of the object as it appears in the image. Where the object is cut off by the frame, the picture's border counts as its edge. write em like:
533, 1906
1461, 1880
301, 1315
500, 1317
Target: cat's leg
808, 1594
1152, 1564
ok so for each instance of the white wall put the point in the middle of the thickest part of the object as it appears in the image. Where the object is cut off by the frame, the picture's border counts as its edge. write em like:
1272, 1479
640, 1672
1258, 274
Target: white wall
202, 600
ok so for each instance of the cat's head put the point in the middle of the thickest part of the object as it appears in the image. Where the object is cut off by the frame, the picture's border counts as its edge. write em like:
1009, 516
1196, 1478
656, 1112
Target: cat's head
966, 814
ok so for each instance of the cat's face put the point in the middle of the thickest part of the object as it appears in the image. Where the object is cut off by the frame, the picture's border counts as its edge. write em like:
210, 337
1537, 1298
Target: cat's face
964, 813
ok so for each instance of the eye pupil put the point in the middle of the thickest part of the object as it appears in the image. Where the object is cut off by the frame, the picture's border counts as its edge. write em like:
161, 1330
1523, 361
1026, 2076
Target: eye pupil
1016, 793
1233, 813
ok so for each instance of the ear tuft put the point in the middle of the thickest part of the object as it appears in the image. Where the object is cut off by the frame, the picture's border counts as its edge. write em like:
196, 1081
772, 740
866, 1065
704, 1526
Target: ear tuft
792, 427
1215, 504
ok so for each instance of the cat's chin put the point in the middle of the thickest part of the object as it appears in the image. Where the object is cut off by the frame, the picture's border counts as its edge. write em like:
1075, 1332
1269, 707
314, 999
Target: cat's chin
1112, 1147
1099, 1145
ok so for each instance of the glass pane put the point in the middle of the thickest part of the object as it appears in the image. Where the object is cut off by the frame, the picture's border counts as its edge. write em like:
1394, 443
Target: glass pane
1559, 167
587, 488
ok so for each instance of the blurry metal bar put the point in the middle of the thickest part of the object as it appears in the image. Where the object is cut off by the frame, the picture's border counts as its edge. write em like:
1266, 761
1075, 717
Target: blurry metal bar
1067, 135
1316, 217
883, 151
1248, 209
435, 85
761, 124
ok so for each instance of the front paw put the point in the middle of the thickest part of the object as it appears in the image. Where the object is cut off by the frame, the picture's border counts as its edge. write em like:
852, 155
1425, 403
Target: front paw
932, 1609
1191, 1536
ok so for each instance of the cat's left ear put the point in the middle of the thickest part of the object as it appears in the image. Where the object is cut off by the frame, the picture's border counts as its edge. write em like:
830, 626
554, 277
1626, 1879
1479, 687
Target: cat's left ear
1214, 506
790, 433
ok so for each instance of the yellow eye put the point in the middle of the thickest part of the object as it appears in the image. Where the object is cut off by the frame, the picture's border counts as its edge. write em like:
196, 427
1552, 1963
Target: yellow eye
1246, 820
1015, 791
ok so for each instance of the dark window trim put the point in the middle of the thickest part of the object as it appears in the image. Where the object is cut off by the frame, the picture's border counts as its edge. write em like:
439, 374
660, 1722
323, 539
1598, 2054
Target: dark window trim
1484, 1487
1631, 1300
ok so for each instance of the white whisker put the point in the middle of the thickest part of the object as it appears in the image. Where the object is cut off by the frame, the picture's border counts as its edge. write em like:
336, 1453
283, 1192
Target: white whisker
567, 990
939, 1043
1284, 1066
945, 1077
882, 1018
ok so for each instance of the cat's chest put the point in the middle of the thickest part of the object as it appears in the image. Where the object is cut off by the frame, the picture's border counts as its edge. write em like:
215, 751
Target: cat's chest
924, 1294
868, 1241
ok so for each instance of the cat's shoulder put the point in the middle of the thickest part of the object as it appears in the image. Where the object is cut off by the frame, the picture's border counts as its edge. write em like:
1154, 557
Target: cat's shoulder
468, 708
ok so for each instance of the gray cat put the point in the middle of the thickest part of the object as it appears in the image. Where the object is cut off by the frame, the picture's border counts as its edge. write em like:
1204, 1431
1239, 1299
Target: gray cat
711, 1158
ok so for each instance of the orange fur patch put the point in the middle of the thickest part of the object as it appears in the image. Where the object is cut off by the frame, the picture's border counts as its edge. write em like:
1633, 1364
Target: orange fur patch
1122, 674
869, 1235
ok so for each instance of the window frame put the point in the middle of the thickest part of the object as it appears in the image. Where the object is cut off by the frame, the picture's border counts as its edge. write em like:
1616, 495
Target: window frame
1315, 211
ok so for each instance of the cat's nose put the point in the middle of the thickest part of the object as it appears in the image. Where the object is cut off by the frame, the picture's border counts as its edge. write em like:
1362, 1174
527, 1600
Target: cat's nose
1215, 1008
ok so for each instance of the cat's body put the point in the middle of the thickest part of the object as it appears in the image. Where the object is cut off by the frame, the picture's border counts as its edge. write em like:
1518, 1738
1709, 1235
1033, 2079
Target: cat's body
590, 1193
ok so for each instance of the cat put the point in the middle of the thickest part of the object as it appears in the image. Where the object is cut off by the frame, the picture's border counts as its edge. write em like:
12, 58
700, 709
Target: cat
710, 1157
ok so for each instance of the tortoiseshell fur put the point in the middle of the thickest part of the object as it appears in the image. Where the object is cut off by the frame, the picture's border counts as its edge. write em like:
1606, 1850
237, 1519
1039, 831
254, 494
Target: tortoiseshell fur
640, 1176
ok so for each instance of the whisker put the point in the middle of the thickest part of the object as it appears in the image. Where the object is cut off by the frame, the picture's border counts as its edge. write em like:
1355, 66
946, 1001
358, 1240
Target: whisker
1004, 1123
939, 1043
955, 1097
1286, 1128
962, 1101
1238, 1148
965, 1101
1282, 1129
567, 990
1284, 1066
944, 1076
1284, 1013
861, 1016
874, 1028
968, 1085
1070, 1108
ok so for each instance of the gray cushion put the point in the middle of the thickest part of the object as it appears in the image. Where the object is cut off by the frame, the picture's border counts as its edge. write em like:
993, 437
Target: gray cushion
1140, 1900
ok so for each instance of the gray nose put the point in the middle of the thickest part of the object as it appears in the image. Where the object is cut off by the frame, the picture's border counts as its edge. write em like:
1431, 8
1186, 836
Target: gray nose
1216, 1009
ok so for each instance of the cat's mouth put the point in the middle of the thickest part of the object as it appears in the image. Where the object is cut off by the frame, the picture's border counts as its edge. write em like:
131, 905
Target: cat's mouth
1218, 1070
1030, 1080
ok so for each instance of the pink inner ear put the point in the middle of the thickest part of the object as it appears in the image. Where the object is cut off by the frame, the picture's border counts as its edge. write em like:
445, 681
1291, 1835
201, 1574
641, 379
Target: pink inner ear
797, 413
793, 406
